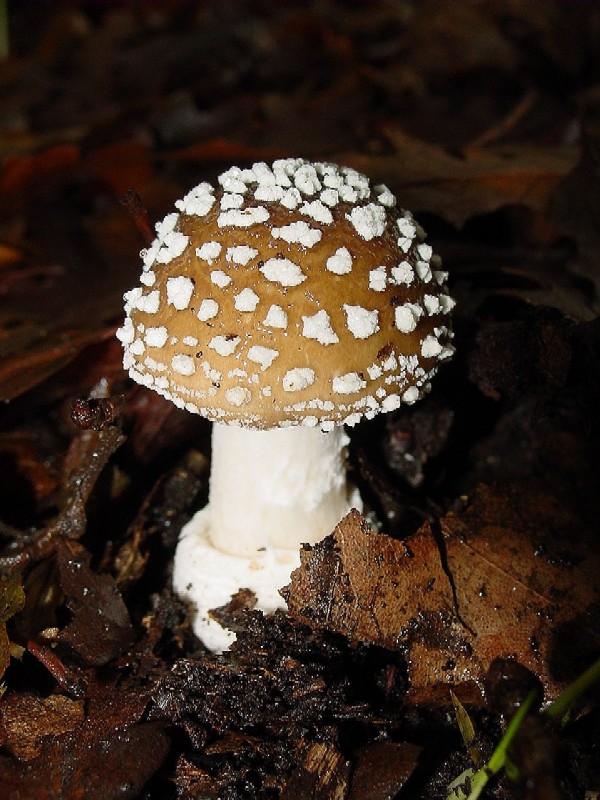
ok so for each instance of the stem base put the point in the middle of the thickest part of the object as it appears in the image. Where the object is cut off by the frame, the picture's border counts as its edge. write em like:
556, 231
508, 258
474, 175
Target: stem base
208, 578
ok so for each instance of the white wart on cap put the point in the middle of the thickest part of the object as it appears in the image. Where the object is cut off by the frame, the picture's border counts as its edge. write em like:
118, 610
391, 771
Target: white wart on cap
290, 294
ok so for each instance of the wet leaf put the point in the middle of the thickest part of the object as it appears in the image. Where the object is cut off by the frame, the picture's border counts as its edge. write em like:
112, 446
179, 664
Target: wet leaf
376, 589
100, 628
22, 172
12, 600
510, 578
481, 117
224, 150
71, 296
19, 373
382, 769
523, 563
539, 350
26, 720
109, 753
29, 472
166, 508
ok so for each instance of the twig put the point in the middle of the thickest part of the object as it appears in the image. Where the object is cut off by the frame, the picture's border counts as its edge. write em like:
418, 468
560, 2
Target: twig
508, 122
66, 677
87, 456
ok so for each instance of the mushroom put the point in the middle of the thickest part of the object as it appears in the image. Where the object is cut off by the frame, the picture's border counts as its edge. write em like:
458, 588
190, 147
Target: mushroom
285, 303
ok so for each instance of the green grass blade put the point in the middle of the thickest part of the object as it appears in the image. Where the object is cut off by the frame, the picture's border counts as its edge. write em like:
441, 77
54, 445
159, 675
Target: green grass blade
479, 779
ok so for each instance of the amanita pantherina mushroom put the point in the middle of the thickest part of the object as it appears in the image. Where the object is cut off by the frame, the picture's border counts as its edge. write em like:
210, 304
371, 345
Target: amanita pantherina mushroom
285, 303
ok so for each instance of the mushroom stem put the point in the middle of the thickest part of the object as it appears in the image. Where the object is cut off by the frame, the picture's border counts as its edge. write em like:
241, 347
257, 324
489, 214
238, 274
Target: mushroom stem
270, 491
277, 488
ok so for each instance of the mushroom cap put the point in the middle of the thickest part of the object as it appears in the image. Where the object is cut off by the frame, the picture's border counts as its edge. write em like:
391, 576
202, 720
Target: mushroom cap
290, 294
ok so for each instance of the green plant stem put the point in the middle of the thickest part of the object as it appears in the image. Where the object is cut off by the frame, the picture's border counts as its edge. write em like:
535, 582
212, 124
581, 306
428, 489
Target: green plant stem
559, 709
499, 756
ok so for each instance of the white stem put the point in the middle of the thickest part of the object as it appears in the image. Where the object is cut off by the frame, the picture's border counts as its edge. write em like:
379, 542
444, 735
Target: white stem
277, 488
270, 491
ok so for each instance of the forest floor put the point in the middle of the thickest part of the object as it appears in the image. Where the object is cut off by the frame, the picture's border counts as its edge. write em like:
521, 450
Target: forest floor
484, 120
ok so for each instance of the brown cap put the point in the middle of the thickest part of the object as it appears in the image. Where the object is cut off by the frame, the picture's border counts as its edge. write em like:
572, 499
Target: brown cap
292, 294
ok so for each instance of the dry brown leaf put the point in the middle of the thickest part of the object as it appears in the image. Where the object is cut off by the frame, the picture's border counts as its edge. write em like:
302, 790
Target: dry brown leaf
525, 570
26, 368
456, 187
375, 589
512, 579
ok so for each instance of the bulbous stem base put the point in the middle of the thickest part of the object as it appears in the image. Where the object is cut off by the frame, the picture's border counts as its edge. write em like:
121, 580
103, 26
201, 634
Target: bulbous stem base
270, 492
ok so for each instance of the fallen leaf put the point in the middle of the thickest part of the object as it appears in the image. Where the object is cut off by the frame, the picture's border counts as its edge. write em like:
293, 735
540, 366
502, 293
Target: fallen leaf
12, 599
121, 165
427, 178
29, 472
525, 569
100, 629
21, 173
381, 770
575, 211
537, 350
22, 369
375, 589
68, 293
165, 509
453, 40
513, 577
26, 720
111, 753
225, 151
9, 254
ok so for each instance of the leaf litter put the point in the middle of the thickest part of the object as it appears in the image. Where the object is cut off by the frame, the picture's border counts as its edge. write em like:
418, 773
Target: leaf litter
479, 553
